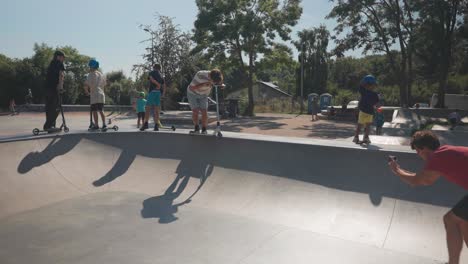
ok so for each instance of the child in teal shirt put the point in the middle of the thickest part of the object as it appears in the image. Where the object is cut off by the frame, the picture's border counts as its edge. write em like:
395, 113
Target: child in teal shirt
140, 108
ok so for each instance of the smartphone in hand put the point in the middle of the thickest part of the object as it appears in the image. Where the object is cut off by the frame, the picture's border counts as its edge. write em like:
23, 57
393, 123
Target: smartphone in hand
391, 158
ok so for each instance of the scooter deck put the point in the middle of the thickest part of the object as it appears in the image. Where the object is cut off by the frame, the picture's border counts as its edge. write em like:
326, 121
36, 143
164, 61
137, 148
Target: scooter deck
115, 128
38, 131
215, 134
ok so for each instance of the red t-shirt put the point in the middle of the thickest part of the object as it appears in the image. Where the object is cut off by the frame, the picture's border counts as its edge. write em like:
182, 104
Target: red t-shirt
451, 162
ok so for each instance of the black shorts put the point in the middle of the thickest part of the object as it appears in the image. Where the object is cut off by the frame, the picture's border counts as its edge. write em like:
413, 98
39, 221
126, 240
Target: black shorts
141, 114
97, 107
461, 208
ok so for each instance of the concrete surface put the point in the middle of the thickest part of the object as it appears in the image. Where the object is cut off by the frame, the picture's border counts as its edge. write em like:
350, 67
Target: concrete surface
145, 197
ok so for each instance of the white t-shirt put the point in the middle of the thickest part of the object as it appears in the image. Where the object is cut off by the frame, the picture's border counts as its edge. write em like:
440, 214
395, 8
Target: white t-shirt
96, 82
201, 77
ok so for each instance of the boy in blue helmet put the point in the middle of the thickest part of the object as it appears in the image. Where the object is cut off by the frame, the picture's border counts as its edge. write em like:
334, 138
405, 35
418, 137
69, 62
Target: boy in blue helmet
369, 99
94, 86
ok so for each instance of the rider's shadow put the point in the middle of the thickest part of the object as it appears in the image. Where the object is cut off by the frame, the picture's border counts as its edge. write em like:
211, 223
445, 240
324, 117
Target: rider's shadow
57, 147
163, 206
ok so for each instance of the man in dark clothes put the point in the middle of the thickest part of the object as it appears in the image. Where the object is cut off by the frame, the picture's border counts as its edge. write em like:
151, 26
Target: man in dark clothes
53, 85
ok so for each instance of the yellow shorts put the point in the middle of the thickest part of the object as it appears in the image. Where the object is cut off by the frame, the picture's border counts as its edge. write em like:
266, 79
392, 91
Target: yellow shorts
365, 118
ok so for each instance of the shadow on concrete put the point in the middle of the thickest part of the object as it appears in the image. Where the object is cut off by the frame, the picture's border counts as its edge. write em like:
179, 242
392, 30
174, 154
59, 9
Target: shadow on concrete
354, 170
57, 147
163, 206
329, 130
262, 123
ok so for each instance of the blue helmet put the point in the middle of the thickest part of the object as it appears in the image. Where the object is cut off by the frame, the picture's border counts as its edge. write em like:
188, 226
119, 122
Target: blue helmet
93, 64
369, 79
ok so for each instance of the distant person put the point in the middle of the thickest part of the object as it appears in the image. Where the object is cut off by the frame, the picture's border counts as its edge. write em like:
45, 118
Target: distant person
94, 86
454, 119
315, 108
450, 162
198, 92
367, 103
153, 101
12, 106
417, 106
53, 87
140, 108
29, 97
344, 106
332, 112
379, 120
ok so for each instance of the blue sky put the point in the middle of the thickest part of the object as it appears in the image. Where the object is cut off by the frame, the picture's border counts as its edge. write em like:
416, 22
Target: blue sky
105, 29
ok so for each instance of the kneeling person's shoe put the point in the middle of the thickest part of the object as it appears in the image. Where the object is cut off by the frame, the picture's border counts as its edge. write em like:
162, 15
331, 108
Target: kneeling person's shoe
144, 126
196, 129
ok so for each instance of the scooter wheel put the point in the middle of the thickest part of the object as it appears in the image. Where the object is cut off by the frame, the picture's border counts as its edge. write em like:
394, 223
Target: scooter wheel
220, 135
116, 128
173, 128
36, 131
66, 129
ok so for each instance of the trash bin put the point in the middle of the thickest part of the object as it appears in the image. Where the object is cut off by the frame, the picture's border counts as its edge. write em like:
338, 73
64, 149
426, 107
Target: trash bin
312, 103
325, 101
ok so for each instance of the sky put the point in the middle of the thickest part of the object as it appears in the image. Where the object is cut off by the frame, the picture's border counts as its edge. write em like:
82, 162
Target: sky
108, 30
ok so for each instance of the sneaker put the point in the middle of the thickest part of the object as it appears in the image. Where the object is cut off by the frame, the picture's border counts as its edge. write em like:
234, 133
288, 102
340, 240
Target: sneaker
203, 131
156, 127
144, 126
366, 140
196, 129
356, 139
104, 127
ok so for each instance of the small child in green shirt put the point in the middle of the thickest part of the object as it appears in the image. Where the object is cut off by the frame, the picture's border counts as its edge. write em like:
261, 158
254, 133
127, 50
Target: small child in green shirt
140, 108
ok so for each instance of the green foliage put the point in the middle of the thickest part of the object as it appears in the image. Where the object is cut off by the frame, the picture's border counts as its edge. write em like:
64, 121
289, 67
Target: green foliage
312, 45
279, 67
243, 29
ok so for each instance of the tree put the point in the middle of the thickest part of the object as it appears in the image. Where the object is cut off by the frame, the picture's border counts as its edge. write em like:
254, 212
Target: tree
169, 46
278, 66
244, 29
439, 24
312, 45
7, 79
377, 26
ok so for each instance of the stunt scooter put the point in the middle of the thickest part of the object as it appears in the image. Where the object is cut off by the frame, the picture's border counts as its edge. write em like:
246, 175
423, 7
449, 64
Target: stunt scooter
64, 127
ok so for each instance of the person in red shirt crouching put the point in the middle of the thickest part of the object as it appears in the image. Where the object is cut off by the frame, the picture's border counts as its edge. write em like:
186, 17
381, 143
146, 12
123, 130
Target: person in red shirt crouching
450, 162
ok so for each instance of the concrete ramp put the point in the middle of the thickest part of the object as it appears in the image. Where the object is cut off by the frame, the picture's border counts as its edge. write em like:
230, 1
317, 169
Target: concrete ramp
174, 198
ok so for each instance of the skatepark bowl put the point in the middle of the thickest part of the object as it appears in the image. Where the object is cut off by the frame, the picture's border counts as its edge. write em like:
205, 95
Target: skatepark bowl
173, 198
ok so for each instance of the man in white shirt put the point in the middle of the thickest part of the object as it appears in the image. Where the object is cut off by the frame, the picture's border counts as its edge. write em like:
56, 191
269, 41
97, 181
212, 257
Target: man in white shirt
198, 92
94, 86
